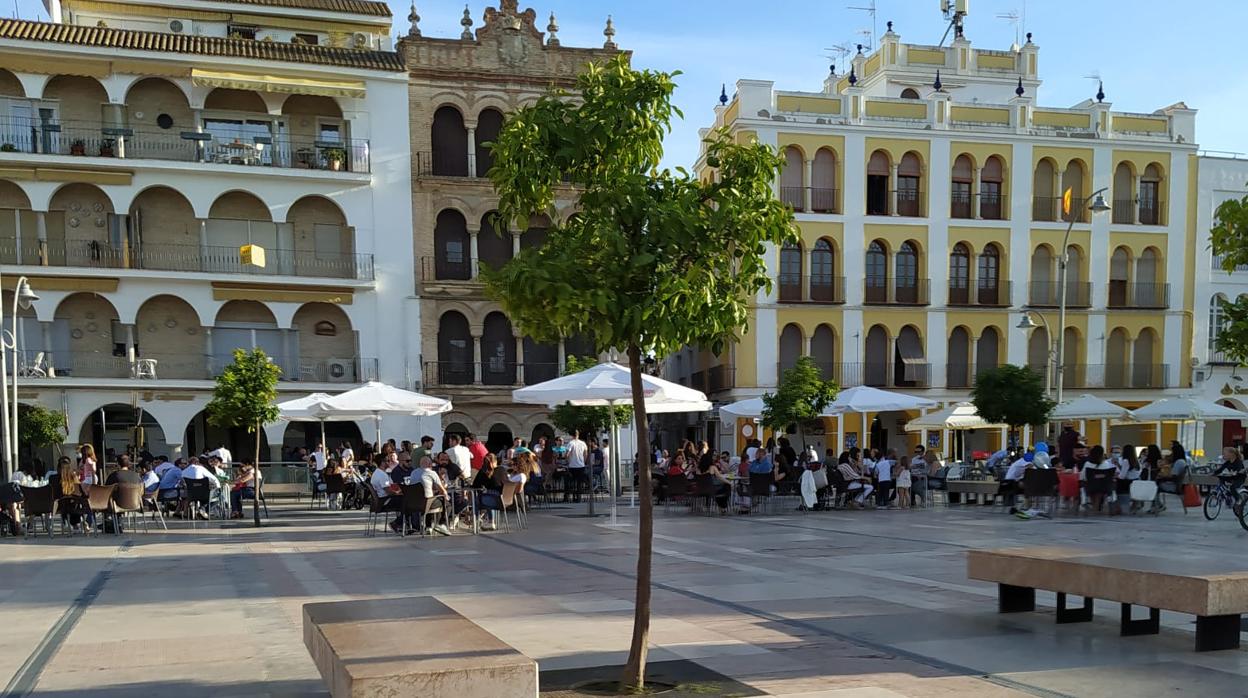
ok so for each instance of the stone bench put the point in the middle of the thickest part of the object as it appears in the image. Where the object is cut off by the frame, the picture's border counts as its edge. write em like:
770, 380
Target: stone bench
413, 646
1216, 593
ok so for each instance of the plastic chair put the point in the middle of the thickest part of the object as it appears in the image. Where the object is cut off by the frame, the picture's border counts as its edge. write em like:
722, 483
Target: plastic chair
511, 501
760, 489
703, 492
39, 504
128, 501
100, 501
335, 485
198, 498
677, 490
1041, 484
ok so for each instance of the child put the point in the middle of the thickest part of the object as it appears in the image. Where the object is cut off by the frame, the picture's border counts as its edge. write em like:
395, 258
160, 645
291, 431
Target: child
901, 477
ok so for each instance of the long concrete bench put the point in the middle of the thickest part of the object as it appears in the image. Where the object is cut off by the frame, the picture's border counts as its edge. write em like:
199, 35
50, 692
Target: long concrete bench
413, 646
1216, 593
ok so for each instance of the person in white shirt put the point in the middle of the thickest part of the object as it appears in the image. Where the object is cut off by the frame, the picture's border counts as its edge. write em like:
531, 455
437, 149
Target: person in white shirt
224, 454
348, 455
197, 472
427, 476
577, 472
461, 457
319, 458
883, 469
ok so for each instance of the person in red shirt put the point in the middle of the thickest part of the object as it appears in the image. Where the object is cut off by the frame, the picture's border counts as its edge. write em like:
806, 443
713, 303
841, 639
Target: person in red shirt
478, 451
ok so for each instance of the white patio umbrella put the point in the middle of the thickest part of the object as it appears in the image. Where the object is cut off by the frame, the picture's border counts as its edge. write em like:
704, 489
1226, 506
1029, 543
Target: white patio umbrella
1183, 410
864, 399
961, 416
305, 409
374, 400
750, 408
610, 385
1089, 407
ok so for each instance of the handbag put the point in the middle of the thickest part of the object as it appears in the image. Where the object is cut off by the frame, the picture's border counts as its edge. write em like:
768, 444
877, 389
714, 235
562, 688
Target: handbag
1191, 496
1143, 491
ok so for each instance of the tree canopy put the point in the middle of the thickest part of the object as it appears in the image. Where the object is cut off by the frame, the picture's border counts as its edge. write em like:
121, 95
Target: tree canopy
801, 396
653, 260
244, 396
586, 420
1229, 239
1012, 395
39, 427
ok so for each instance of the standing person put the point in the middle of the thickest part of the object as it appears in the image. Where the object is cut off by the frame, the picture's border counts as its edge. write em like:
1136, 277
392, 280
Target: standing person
477, 450
902, 478
424, 449
86, 465
920, 469
460, 457
577, 454
884, 478
1067, 441
786, 450
223, 453
347, 454
1128, 472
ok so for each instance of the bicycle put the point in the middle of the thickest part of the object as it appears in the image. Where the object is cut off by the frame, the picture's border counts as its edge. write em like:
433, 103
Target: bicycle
1224, 493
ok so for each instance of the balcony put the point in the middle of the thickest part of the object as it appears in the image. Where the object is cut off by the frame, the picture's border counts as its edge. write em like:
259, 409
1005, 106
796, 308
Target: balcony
509, 374
1215, 263
1109, 376
1150, 296
438, 164
208, 259
821, 200
963, 375
170, 366
991, 207
1049, 208
987, 295
1220, 358
715, 379
893, 291
1136, 212
824, 290
1044, 294
909, 202
97, 139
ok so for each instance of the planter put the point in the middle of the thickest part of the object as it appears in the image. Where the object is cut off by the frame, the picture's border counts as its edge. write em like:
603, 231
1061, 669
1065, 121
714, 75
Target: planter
335, 165
78, 148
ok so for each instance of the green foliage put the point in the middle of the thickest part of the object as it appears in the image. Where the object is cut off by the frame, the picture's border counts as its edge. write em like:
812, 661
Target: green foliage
589, 421
1229, 238
654, 259
1012, 395
801, 396
245, 392
39, 427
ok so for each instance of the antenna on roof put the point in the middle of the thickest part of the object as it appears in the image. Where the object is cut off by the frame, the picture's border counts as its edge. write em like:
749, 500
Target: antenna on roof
955, 11
869, 9
1015, 19
837, 53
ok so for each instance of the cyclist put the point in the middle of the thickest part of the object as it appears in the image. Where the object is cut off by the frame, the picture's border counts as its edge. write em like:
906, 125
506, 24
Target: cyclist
1231, 473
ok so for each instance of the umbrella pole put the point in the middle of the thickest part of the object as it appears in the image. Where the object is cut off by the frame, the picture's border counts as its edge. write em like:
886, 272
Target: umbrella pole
612, 471
377, 419
323, 432
840, 433
865, 436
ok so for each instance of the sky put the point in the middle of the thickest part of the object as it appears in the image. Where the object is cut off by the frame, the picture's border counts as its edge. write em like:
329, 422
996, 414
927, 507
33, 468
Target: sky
1150, 53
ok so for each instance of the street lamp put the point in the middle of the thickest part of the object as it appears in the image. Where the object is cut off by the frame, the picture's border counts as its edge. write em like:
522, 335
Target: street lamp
1096, 205
23, 296
1051, 355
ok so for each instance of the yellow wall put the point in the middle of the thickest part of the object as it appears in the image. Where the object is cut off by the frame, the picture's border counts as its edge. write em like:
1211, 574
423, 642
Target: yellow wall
731, 113
925, 56
814, 105
897, 147
990, 115
897, 110
1040, 117
894, 235
747, 354
1141, 159
809, 319
1141, 124
995, 62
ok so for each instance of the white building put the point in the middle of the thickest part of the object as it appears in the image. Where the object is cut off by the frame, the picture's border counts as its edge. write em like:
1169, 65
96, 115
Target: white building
141, 143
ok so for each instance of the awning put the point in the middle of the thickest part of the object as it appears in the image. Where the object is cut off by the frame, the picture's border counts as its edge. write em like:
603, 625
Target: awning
911, 353
274, 83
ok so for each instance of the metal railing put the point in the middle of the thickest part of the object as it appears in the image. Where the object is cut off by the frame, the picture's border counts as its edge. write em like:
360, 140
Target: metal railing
1108, 376
893, 291
445, 164
1123, 294
1044, 294
488, 373
1134, 211
822, 200
155, 365
789, 288
714, 379
991, 207
1215, 263
211, 259
827, 289
793, 197
983, 292
909, 202
98, 139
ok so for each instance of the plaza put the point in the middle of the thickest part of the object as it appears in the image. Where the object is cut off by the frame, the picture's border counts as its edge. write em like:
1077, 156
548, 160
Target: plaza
838, 604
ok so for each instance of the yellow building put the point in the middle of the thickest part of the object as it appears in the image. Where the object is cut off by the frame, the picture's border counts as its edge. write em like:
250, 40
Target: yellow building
927, 184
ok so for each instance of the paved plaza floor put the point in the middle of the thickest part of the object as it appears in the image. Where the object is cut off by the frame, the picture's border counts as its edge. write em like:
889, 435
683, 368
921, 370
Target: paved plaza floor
855, 604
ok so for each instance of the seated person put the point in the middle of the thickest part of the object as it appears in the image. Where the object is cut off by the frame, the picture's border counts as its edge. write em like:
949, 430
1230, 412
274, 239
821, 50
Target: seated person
855, 482
150, 479
427, 476
244, 485
1231, 472
170, 481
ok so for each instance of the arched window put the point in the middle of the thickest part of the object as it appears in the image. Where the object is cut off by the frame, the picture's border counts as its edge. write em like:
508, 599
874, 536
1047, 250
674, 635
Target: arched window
1116, 347
1119, 276
958, 374
991, 192
1144, 372
498, 351
960, 275
450, 144
1073, 367
1038, 358
823, 286
1124, 194
791, 348
1044, 202
450, 242
1150, 196
988, 276
541, 361
1078, 292
1043, 289
987, 351
909, 93
791, 273
1072, 179
877, 273
1217, 323
907, 271
909, 191
875, 368
823, 184
960, 193
823, 350
489, 125
877, 184
910, 367
454, 350
494, 249
792, 179
535, 234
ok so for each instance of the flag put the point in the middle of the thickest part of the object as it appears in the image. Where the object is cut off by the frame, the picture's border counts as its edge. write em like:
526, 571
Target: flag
252, 254
1066, 202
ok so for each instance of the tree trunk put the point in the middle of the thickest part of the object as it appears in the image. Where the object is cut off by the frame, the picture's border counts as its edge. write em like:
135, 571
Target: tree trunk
255, 480
635, 669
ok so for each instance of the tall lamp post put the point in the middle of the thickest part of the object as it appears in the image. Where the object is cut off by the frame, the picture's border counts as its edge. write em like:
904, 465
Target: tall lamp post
23, 296
1096, 204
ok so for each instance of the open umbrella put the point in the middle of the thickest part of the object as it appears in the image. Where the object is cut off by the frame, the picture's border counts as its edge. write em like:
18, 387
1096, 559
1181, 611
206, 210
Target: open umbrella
750, 408
374, 400
1184, 409
961, 416
610, 385
305, 409
864, 399
1089, 407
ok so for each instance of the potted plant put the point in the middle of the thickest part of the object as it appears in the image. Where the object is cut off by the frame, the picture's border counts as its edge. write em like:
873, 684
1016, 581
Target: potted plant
78, 147
106, 147
8, 148
335, 158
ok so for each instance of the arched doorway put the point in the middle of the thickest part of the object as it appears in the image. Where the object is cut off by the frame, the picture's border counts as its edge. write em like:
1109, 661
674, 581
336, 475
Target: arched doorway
454, 350
542, 430
790, 347
450, 143
117, 428
453, 429
875, 368
500, 437
202, 436
498, 351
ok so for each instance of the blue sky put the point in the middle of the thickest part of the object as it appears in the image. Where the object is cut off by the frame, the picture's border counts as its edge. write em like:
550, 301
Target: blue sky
1150, 53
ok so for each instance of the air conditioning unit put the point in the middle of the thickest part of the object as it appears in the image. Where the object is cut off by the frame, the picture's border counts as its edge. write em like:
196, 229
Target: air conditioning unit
180, 26
359, 40
340, 371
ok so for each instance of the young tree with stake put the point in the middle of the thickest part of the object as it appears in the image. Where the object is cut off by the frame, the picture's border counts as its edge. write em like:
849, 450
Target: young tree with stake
654, 260
244, 396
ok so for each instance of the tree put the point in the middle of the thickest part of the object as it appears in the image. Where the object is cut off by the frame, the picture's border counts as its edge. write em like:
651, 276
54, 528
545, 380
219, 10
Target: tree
801, 397
244, 397
654, 260
1011, 395
39, 427
586, 420
1229, 239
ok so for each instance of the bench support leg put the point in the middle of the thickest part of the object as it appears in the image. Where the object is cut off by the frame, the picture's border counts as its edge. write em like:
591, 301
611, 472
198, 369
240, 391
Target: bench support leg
1142, 626
1012, 599
1073, 615
1217, 633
